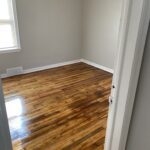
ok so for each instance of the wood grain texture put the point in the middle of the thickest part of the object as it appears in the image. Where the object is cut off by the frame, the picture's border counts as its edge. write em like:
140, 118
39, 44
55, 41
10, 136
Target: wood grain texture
64, 108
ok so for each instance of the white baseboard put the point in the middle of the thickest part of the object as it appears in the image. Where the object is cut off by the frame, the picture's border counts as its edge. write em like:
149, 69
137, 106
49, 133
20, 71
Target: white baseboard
3, 75
44, 67
62, 64
51, 66
97, 66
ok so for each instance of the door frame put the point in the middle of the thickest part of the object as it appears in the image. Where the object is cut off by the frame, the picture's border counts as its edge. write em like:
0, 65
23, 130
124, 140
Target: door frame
132, 36
134, 23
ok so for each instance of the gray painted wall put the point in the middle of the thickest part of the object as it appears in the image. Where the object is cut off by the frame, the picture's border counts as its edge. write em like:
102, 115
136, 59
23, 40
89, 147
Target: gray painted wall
50, 32
101, 20
139, 134
53, 31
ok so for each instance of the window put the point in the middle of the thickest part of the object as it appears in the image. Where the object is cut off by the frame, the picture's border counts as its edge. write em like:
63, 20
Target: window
9, 36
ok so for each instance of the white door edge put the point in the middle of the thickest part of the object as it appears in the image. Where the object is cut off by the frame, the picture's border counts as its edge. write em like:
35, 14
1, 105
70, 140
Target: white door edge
132, 37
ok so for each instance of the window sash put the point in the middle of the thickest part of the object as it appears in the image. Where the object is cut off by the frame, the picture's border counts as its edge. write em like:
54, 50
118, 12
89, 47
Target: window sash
14, 27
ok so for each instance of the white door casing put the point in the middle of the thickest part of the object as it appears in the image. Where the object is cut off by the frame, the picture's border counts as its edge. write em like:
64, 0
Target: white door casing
133, 30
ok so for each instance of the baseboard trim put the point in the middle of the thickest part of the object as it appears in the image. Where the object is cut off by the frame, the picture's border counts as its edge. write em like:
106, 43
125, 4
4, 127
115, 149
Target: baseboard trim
51, 66
44, 67
97, 66
3, 76
62, 64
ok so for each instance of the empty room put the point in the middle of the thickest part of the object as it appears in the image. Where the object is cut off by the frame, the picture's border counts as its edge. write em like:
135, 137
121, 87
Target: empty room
57, 59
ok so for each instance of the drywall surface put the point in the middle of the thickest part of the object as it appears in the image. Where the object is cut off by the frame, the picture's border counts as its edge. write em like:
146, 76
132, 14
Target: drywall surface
9, 60
54, 31
139, 133
101, 20
50, 32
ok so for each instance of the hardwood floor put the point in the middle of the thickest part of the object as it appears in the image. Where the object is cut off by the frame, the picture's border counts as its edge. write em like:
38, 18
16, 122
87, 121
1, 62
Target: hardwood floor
58, 109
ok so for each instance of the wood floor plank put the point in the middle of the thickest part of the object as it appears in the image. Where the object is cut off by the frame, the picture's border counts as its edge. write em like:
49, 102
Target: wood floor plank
63, 108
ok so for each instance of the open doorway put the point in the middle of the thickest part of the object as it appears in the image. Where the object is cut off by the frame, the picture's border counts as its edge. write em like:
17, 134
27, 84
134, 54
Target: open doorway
64, 103
75, 91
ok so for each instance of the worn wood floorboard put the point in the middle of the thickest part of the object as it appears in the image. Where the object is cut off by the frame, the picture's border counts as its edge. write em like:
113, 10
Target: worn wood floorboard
64, 108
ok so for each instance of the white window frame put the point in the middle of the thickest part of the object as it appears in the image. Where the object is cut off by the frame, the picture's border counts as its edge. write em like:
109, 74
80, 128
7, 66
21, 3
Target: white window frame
14, 23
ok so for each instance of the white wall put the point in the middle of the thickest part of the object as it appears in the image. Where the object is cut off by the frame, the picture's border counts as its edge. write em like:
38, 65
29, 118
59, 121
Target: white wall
139, 134
100, 31
50, 32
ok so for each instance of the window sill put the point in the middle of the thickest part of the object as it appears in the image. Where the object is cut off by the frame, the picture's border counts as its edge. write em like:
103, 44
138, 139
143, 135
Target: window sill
10, 50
